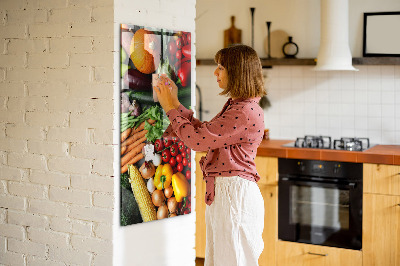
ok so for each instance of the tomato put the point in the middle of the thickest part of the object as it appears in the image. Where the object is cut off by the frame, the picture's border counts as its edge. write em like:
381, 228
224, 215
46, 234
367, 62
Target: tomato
175, 139
188, 150
188, 175
172, 161
181, 146
167, 142
172, 48
189, 37
158, 145
179, 158
185, 161
174, 150
178, 43
179, 167
166, 155
183, 154
178, 54
184, 39
184, 73
190, 164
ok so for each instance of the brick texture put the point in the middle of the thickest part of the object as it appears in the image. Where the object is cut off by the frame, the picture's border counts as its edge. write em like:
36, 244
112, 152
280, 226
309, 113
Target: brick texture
56, 121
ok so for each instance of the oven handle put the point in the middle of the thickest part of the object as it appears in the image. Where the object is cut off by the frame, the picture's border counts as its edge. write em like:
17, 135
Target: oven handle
329, 184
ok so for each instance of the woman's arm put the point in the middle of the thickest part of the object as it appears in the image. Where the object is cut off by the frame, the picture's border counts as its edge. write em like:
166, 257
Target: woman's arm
223, 131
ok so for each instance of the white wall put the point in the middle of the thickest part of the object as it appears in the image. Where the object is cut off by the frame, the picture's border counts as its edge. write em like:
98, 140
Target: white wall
169, 241
338, 104
298, 18
56, 154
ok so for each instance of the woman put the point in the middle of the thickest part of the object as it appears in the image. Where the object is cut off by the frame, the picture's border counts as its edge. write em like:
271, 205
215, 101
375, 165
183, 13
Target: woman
235, 207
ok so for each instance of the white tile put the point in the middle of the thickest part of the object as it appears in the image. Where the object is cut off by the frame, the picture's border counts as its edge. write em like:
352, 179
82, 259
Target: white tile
388, 137
388, 124
322, 109
397, 133
361, 97
347, 109
285, 83
335, 95
388, 84
297, 83
375, 136
388, 110
322, 83
397, 72
310, 95
348, 123
388, 97
334, 109
361, 110
374, 110
296, 71
322, 95
322, 121
361, 123
387, 72
310, 108
374, 123
348, 96
335, 122
348, 132
374, 97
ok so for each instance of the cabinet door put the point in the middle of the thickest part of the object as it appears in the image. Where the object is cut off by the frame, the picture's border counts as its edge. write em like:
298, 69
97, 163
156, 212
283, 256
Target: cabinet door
270, 233
267, 168
381, 179
297, 254
381, 230
200, 209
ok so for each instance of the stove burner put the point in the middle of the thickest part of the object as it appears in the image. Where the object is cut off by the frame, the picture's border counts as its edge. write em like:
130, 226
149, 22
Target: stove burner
308, 141
351, 144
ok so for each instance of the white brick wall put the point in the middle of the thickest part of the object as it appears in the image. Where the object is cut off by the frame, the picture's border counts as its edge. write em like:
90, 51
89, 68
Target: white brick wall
56, 122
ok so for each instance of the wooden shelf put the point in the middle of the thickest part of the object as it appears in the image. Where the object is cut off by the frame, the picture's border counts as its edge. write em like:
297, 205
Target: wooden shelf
312, 61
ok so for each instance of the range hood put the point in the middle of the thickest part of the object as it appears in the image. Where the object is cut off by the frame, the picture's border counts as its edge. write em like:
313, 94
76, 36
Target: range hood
334, 51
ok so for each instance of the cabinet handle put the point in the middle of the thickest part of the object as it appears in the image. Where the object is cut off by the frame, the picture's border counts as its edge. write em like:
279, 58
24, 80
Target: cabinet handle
318, 254
398, 204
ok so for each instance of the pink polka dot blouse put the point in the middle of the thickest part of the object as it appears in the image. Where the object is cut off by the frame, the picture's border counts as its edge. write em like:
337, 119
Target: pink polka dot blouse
231, 139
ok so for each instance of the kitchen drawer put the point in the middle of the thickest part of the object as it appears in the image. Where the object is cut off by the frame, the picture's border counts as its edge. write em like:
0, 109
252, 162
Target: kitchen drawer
298, 254
381, 179
267, 168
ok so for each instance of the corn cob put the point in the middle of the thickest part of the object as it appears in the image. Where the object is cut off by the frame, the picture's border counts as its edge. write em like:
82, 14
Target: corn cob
142, 196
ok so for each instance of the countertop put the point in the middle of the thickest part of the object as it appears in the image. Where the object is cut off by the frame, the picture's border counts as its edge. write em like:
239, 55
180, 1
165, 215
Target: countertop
378, 154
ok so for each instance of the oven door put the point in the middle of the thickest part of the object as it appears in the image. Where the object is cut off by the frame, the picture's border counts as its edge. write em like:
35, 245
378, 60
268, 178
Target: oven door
320, 212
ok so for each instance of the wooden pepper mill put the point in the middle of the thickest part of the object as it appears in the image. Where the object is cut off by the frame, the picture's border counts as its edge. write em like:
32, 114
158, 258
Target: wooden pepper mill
232, 35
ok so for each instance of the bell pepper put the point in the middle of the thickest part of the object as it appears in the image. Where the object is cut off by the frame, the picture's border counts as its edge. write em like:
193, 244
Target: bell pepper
180, 186
163, 176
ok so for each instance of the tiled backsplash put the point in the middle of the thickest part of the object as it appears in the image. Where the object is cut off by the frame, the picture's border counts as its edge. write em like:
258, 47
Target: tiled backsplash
338, 104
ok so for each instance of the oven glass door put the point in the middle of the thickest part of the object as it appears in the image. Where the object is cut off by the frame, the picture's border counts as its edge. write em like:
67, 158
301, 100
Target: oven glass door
320, 213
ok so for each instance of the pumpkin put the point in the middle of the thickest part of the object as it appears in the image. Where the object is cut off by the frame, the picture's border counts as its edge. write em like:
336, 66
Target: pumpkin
145, 50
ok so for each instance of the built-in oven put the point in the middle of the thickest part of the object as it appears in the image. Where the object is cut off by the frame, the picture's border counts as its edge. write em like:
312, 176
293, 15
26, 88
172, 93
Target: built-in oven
320, 202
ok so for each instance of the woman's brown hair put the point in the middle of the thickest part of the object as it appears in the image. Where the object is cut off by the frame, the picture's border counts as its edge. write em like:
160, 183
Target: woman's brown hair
245, 78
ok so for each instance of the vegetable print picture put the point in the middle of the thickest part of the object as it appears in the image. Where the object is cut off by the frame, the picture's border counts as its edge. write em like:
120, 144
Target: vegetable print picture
155, 168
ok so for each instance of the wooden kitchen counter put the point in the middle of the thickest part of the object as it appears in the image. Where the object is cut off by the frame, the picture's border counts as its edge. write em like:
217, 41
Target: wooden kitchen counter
379, 154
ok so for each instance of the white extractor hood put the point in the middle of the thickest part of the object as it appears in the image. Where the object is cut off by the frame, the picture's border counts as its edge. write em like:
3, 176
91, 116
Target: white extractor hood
334, 51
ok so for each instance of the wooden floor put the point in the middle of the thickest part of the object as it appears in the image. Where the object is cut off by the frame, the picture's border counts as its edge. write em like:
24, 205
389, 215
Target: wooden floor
199, 262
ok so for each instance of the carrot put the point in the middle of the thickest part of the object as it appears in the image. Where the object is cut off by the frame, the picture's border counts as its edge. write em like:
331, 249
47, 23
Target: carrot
135, 137
125, 134
127, 157
134, 160
133, 145
123, 149
141, 126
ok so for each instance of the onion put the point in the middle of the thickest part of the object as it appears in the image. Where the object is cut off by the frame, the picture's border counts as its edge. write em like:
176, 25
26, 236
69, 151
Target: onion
162, 212
168, 192
172, 204
172, 215
147, 170
156, 159
158, 198
150, 185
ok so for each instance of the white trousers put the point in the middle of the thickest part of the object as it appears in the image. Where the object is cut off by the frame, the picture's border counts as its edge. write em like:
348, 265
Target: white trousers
234, 223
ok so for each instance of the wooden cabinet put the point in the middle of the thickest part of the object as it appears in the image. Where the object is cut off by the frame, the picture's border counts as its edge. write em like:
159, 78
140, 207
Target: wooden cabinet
270, 233
381, 179
381, 230
298, 254
381, 215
